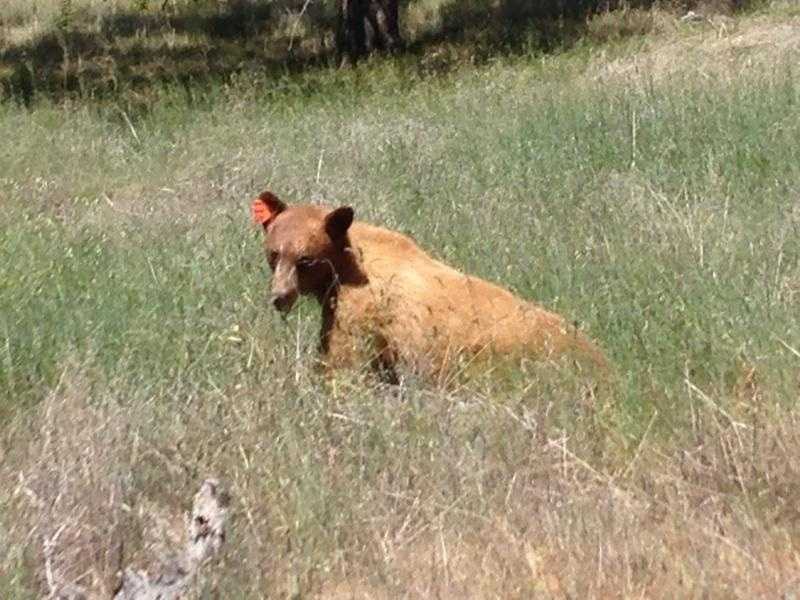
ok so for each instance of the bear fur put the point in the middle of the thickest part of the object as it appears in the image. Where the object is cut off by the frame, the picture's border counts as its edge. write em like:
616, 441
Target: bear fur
388, 304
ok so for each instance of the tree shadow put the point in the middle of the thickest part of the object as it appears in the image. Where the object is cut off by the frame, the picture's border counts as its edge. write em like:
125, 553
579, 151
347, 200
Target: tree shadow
130, 52
489, 28
238, 20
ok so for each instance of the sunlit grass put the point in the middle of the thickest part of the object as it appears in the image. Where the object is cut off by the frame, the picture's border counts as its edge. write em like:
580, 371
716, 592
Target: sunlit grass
659, 212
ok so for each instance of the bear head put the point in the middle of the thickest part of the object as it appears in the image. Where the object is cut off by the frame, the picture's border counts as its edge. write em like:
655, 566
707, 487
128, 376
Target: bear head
307, 248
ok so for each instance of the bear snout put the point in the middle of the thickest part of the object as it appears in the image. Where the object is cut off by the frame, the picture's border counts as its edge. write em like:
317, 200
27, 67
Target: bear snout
283, 302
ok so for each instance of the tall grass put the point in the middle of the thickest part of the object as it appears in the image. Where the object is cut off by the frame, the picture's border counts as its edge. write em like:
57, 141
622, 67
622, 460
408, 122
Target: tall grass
655, 214
656, 204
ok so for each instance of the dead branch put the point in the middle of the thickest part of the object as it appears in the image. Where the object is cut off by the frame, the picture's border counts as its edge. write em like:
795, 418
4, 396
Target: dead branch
206, 534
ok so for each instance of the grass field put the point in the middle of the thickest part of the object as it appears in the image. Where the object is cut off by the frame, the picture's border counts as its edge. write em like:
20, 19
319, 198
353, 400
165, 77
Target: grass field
647, 188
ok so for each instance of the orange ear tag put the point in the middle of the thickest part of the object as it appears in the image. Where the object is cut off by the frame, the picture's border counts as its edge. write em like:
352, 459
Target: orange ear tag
262, 214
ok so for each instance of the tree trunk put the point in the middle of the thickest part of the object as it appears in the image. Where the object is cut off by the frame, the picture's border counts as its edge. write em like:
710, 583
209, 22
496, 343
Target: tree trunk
366, 25
384, 21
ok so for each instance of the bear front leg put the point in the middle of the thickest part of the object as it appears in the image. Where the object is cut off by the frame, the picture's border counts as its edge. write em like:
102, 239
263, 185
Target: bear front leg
349, 347
337, 350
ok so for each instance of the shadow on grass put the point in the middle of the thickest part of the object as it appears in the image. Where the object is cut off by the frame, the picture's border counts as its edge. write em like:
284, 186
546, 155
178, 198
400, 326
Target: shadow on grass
484, 29
132, 53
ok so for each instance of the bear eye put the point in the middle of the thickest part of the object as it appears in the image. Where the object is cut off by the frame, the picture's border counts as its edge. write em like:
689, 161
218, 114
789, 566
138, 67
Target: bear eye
272, 259
305, 262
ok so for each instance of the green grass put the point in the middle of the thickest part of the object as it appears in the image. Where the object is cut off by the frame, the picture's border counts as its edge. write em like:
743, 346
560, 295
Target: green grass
133, 300
680, 261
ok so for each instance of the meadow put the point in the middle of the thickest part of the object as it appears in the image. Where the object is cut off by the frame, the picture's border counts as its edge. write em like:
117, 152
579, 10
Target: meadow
646, 186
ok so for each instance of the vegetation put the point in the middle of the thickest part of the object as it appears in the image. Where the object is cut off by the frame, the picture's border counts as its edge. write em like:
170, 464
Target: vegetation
121, 50
645, 186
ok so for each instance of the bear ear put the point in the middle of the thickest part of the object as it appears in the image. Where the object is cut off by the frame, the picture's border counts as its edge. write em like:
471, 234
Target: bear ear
265, 208
338, 222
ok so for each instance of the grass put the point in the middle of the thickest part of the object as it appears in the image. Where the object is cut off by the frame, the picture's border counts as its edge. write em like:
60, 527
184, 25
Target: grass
126, 51
647, 189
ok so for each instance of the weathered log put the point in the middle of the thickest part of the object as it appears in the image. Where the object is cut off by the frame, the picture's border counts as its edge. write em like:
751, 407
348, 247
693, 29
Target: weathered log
206, 534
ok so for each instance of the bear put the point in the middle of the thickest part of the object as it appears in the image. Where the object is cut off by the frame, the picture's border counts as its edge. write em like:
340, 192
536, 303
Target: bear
388, 304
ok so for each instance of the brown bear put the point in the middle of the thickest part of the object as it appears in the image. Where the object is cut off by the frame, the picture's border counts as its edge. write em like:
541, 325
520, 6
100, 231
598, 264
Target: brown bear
386, 303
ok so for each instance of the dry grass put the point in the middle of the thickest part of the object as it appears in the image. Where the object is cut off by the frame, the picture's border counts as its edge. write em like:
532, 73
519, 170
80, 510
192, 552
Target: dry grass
126, 246
72, 511
499, 502
720, 50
